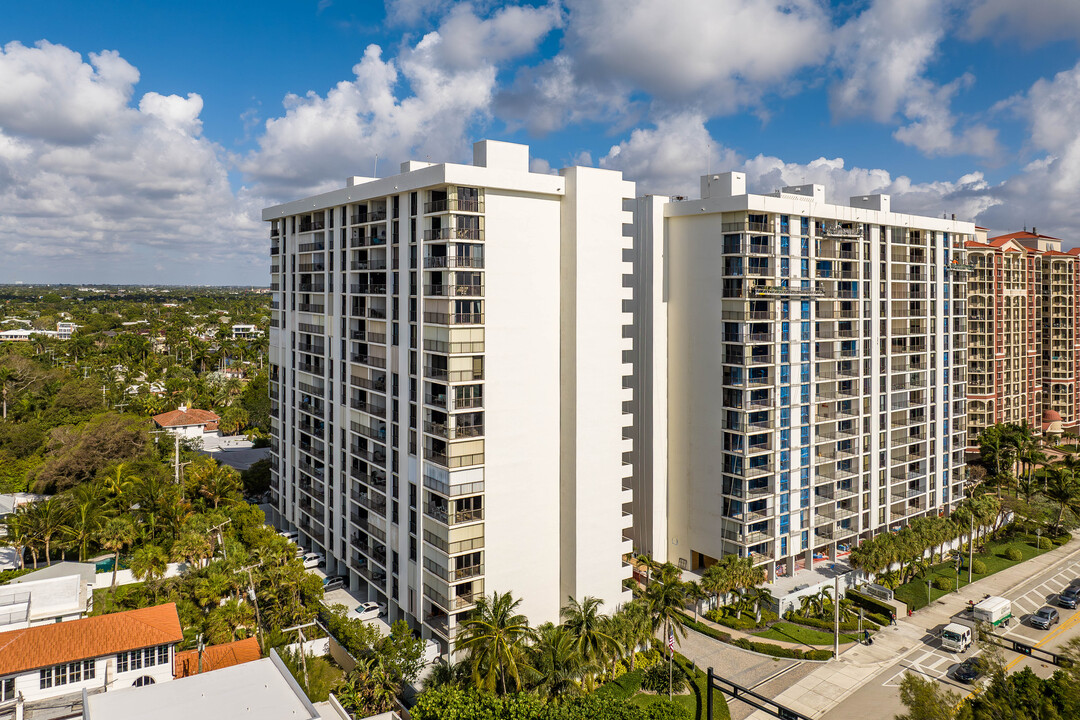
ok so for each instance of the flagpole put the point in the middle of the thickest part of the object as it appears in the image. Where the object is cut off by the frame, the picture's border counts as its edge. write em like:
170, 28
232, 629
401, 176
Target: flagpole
671, 658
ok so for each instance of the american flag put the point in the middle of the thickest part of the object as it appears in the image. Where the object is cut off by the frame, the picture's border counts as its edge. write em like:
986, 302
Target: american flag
671, 642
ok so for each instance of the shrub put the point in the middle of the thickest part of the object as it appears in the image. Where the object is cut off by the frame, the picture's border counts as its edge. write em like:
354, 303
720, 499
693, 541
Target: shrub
745, 621
1014, 555
978, 567
1062, 539
667, 710
656, 680
1045, 544
941, 583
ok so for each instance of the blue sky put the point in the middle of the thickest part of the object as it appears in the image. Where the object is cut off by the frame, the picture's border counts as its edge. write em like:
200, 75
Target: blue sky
138, 141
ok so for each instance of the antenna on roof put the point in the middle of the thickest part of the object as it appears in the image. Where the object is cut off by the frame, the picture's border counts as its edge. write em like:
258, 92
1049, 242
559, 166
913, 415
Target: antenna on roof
375, 170
708, 158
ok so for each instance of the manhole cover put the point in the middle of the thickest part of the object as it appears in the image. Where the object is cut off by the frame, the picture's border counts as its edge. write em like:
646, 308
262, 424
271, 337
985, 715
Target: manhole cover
903, 649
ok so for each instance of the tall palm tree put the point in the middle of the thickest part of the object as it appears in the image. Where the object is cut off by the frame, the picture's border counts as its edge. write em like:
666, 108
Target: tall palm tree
556, 665
8, 376
666, 598
17, 536
47, 520
86, 516
631, 625
586, 625
119, 481
117, 534
495, 636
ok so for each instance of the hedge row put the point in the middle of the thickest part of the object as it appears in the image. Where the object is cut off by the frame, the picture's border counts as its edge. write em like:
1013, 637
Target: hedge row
847, 626
759, 647
874, 605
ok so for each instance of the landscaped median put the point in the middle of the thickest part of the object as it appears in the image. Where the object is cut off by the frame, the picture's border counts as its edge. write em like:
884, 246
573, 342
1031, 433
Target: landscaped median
994, 557
765, 648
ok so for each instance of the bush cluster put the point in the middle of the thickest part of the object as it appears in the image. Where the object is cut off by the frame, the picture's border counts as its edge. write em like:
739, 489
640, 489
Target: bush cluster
942, 583
1014, 555
1045, 543
880, 611
655, 680
978, 567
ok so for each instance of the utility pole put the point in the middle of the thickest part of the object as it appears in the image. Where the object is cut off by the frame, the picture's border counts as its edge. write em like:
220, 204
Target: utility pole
217, 530
303, 658
255, 601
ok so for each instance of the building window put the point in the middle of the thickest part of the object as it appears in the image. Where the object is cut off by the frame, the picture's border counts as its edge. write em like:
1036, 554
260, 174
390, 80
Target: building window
67, 673
144, 680
7, 689
138, 659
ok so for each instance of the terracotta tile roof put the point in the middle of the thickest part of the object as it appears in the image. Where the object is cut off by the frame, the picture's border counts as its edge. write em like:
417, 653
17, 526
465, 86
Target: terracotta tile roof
216, 657
187, 416
44, 645
1025, 236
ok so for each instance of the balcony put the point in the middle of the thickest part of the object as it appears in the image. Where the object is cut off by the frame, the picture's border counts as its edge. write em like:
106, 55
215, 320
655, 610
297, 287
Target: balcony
746, 226
453, 261
366, 217
441, 513
452, 376
450, 233
312, 225
453, 432
437, 318
454, 290
453, 204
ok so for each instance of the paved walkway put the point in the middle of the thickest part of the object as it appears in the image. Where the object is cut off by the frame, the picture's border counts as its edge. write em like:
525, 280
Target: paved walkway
830, 683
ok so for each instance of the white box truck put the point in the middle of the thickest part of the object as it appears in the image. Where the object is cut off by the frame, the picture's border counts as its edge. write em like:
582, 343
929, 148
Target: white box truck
994, 610
956, 637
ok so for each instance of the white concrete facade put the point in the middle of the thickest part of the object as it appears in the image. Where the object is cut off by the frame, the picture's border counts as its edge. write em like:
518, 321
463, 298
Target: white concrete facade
447, 350
814, 366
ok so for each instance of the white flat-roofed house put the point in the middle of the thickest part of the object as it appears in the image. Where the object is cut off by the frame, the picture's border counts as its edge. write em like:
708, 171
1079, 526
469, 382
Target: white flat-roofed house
44, 670
263, 689
43, 602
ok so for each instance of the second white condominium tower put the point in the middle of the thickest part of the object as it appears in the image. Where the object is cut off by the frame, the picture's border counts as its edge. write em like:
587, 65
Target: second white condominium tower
815, 372
447, 380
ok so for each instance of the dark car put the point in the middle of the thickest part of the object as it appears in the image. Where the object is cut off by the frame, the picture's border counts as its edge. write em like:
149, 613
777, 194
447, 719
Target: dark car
1045, 618
970, 670
1069, 597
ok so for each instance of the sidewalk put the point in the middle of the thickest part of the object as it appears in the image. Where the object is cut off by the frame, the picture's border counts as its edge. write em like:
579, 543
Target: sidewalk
832, 682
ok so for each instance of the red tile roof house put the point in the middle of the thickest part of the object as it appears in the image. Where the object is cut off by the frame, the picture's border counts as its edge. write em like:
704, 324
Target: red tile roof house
44, 669
188, 422
216, 657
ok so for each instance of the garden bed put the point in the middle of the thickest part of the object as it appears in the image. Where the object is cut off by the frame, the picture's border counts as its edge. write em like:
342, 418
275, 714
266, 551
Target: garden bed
790, 632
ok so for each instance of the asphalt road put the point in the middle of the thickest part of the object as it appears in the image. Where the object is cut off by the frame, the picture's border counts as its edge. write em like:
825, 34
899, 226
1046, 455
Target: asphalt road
881, 696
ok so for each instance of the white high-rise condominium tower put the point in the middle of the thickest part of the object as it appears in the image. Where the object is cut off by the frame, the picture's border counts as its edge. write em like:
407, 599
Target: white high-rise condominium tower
808, 360
447, 384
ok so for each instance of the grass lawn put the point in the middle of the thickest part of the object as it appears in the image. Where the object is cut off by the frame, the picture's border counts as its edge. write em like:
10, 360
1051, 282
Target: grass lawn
791, 632
914, 592
1069, 448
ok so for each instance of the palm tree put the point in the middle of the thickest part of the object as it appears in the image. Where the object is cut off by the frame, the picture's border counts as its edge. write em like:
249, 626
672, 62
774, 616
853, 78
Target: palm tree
760, 596
586, 625
556, 665
118, 533
631, 625
47, 519
667, 599
8, 376
495, 635
1064, 489
149, 564
447, 672
118, 481
649, 564
695, 593
86, 516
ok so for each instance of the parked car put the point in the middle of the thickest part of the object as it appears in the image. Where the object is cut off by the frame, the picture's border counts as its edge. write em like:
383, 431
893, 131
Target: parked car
1068, 597
313, 560
290, 535
334, 582
300, 552
370, 610
970, 670
1045, 618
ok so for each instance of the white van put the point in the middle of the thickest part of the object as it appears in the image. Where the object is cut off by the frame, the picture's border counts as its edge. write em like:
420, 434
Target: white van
956, 637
